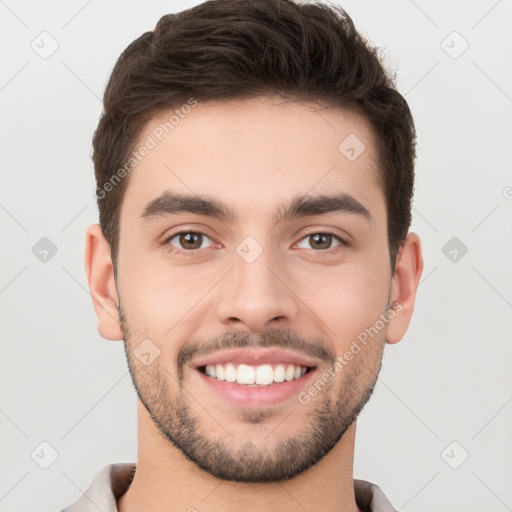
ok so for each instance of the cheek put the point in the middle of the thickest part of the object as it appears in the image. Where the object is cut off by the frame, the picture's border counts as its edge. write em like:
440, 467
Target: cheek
159, 299
348, 302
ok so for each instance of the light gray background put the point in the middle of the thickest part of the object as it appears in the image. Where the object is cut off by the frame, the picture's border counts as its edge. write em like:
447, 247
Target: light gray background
448, 380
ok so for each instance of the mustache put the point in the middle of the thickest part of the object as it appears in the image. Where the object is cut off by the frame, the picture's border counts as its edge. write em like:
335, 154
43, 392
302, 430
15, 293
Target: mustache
272, 338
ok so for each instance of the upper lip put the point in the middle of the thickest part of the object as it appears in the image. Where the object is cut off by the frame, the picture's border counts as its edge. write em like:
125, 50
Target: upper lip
255, 357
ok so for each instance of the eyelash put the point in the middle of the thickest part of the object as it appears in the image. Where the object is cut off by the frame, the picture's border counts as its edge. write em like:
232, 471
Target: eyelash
193, 252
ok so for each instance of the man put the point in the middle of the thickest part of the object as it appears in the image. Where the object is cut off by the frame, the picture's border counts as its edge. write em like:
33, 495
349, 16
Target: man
255, 169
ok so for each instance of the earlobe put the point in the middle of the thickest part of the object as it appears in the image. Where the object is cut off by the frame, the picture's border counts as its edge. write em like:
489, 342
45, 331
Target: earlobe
408, 270
100, 276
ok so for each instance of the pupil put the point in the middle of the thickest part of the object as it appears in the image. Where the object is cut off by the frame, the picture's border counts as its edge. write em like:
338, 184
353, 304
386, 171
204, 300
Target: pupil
187, 238
327, 239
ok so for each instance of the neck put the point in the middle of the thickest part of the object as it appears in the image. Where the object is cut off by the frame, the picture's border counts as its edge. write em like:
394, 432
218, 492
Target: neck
166, 481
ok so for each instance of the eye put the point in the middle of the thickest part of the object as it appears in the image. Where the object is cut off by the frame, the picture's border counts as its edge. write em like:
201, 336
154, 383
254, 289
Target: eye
323, 241
192, 241
188, 241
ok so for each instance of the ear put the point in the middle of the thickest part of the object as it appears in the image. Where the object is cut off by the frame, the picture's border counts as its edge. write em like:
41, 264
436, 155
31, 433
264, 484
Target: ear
100, 275
408, 269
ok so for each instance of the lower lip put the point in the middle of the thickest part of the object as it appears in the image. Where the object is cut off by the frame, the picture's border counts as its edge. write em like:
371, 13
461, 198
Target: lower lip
254, 396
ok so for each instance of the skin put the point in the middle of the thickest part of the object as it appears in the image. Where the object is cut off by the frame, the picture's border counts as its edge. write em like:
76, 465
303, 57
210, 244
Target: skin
251, 155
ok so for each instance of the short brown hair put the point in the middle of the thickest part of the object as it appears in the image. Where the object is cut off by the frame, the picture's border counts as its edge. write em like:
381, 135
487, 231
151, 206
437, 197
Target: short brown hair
236, 49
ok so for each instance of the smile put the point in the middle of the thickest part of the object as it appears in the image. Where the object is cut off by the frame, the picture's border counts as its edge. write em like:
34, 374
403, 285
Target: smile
262, 375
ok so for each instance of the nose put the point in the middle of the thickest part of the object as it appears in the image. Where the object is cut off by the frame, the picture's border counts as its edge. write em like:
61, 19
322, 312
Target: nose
256, 295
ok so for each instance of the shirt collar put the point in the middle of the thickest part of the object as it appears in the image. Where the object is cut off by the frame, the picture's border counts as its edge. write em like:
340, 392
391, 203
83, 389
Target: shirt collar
114, 480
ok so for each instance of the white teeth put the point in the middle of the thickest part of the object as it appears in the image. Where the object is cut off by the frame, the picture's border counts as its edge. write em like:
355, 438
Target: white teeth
279, 373
245, 374
290, 373
262, 375
230, 373
219, 370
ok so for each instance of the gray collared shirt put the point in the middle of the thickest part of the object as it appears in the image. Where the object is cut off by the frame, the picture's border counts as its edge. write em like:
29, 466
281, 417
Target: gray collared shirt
113, 481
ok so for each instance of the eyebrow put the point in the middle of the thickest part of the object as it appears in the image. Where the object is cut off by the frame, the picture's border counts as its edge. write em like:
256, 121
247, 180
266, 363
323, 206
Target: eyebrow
300, 206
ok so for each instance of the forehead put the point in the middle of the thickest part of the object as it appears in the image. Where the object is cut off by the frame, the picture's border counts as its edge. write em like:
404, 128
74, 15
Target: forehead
253, 154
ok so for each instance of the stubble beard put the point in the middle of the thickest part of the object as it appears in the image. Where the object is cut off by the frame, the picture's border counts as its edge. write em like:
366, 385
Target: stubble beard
228, 458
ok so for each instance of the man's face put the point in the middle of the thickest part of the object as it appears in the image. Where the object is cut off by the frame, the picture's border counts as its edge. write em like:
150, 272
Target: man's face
296, 290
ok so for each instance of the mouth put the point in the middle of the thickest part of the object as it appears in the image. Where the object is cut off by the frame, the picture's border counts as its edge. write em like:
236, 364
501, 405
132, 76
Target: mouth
261, 375
255, 377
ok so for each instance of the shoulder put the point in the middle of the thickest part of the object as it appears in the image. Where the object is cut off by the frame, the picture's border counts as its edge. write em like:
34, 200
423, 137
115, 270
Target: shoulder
108, 484
370, 498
